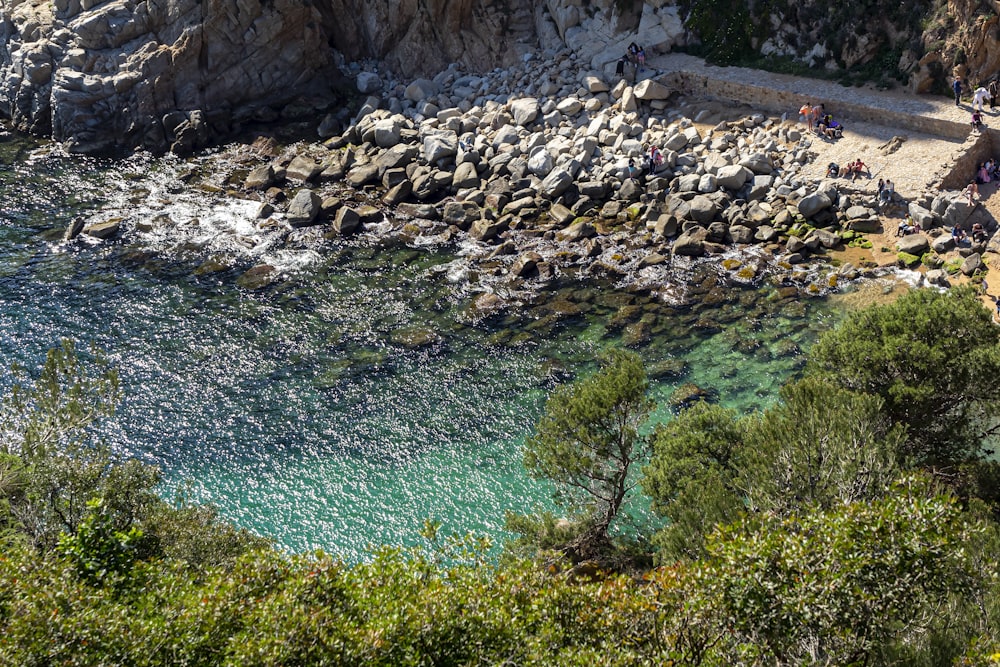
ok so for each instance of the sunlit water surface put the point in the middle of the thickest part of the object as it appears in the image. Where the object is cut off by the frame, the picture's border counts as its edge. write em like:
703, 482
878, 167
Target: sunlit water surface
302, 410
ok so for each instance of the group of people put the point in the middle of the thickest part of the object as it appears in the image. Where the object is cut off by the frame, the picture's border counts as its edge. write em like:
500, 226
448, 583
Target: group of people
816, 119
987, 171
635, 56
979, 234
979, 95
907, 226
852, 169
651, 162
886, 189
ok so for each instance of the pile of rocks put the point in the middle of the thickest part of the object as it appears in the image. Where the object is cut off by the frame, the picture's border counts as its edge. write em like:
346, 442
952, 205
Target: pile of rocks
556, 180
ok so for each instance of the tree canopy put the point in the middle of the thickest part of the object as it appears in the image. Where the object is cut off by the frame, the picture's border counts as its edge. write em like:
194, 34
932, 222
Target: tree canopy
933, 358
588, 440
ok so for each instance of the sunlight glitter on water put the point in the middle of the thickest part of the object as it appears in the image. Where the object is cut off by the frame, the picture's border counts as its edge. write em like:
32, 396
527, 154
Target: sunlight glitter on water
304, 411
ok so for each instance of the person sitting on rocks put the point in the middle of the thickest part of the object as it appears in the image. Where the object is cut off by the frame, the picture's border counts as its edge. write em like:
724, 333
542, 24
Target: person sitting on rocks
982, 176
832, 170
655, 159
847, 169
830, 128
958, 234
972, 192
979, 234
977, 121
858, 168
906, 226
633, 52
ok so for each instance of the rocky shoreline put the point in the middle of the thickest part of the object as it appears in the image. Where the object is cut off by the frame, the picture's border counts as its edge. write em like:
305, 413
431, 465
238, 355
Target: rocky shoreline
526, 172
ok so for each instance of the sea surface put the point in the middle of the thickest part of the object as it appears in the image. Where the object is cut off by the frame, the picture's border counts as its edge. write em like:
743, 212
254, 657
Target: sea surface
339, 406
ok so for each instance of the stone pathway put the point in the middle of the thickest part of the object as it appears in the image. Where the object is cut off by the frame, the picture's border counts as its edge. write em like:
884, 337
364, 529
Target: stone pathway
938, 146
936, 131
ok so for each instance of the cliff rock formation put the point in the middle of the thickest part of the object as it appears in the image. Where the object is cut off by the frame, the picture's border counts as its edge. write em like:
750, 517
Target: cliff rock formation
161, 74
178, 74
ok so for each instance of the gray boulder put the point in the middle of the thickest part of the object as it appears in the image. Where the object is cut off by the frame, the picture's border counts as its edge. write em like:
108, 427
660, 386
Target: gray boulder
524, 110
923, 217
302, 168
741, 234
368, 82
487, 230
648, 89
388, 132
260, 178
938, 277
812, 204
540, 162
460, 213
526, 264
465, 176
943, 243
702, 209
304, 208
691, 243
556, 183
440, 146
914, 244
581, 230
732, 177
420, 90
347, 221
972, 263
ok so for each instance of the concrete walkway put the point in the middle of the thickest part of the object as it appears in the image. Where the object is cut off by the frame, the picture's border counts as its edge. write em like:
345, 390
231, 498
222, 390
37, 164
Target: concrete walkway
784, 93
922, 117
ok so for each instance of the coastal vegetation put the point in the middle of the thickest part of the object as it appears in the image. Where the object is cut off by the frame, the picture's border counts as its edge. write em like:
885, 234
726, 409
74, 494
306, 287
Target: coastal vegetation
853, 522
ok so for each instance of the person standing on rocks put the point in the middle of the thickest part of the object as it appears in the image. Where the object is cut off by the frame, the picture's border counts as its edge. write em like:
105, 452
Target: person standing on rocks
957, 87
993, 94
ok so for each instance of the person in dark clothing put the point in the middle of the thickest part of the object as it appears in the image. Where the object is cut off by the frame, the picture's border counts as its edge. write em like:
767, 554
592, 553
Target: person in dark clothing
957, 87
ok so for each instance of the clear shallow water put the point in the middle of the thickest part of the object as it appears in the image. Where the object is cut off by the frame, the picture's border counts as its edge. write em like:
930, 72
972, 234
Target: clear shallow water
304, 410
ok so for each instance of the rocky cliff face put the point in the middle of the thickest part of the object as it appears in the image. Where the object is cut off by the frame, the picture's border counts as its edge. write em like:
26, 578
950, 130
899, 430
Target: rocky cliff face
176, 73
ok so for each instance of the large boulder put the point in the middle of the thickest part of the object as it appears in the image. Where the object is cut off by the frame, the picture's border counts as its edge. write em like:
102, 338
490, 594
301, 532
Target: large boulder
691, 243
702, 209
440, 146
922, 216
943, 243
304, 208
958, 212
914, 244
388, 132
461, 213
732, 177
972, 263
540, 162
812, 204
368, 82
526, 265
302, 168
556, 183
347, 221
487, 230
651, 90
420, 90
524, 110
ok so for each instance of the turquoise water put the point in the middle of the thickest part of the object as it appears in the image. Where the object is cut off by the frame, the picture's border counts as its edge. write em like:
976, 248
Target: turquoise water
304, 410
